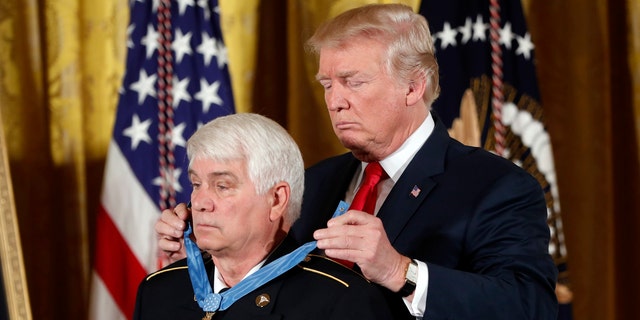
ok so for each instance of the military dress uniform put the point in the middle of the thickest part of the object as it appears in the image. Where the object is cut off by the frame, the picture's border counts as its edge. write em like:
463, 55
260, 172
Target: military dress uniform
317, 288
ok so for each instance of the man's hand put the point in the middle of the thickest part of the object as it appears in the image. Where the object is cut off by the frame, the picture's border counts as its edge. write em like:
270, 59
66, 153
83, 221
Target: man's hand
170, 230
360, 237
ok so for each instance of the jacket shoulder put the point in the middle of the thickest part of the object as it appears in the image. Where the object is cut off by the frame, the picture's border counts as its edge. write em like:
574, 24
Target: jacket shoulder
178, 267
166, 270
332, 270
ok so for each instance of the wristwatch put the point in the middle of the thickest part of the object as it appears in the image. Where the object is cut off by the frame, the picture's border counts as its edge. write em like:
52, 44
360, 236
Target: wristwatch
410, 279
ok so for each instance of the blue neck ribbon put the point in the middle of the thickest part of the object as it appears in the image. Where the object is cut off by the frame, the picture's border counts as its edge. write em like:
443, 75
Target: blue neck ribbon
212, 302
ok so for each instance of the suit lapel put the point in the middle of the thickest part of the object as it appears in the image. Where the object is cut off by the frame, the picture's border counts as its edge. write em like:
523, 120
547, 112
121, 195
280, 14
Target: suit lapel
339, 183
415, 183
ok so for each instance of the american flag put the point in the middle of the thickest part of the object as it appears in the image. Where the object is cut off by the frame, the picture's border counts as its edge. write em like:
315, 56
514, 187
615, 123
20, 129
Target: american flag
415, 191
176, 79
463, 38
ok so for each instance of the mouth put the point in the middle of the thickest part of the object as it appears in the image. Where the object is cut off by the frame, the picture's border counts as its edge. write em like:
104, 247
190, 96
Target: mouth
205, 227
344, 125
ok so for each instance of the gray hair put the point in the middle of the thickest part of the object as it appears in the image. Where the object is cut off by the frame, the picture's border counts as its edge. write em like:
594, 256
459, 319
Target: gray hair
410, 46
271, 154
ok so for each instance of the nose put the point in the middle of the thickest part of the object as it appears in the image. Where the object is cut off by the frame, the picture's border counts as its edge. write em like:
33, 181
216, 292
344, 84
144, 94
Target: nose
200, 202
335, 99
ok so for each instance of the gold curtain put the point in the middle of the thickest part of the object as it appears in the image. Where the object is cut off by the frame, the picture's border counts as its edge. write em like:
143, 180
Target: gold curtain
633, 16
239, 23
60, 69
587, 61
61, 63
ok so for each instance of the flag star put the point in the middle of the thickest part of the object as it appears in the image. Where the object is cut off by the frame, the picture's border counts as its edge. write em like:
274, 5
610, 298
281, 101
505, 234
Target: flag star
447, 36
121, 89
180, 91
208, 94
174, 178
465, 30
506, 35
204, 4
525, 46
145, 86
181, 45
479, 29
154, 5
150, 40
177, 135
138, 131
130, 29
183, 5
222, 55
208, 48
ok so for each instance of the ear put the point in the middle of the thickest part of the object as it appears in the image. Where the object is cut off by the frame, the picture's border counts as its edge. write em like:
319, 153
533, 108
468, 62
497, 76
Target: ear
280, 194
415, 90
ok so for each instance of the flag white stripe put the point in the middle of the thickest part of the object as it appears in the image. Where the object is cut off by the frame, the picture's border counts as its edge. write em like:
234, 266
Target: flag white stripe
130, 207
102, 304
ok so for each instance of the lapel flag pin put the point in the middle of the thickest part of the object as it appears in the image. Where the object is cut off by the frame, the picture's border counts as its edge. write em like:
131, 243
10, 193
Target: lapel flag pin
415, 191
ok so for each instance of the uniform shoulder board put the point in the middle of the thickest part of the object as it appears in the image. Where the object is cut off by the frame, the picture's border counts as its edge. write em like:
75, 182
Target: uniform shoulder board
180, 265
164, 270
327, 267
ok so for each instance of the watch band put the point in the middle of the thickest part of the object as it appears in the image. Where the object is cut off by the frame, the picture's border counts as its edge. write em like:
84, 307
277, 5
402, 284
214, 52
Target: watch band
410, 279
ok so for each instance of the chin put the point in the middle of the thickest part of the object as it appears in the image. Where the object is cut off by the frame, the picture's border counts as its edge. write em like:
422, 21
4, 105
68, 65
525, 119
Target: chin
349, 143
209, 244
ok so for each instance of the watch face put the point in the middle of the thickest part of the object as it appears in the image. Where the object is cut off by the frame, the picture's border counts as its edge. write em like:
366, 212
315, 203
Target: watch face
410, 279
412, 272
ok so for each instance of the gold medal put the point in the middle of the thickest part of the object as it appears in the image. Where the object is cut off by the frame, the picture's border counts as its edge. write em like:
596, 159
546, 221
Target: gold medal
208, 316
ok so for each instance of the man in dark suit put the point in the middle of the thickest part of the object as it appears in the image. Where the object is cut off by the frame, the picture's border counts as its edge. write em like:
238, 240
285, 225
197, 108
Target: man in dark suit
248, 178
456, 232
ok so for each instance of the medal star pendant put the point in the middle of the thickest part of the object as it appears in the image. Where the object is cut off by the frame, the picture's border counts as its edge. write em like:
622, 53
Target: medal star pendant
208, 316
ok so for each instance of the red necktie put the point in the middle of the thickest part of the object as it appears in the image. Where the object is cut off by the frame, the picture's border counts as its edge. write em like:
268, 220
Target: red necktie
365, 198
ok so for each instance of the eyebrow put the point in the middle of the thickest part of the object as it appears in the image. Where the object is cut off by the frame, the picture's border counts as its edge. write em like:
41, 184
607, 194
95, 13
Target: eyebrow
341, 75
216, 174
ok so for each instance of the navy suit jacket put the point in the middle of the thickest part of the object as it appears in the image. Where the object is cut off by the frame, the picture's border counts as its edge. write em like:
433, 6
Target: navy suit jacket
478, 221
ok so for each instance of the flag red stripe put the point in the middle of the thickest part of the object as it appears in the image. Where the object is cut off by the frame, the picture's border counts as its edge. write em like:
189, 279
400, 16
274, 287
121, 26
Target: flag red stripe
122, 278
